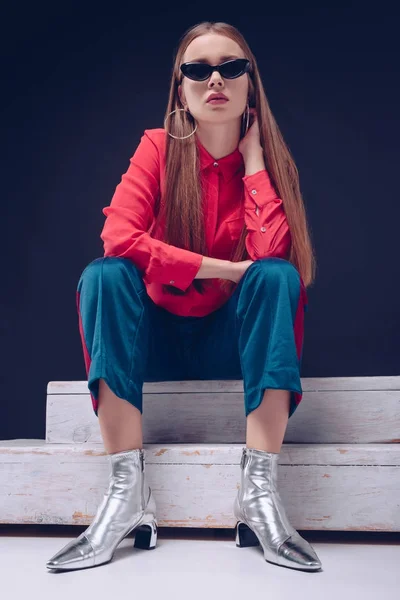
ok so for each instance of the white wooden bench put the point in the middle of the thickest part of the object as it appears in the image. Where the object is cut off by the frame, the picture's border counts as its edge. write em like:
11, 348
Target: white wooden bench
339, 465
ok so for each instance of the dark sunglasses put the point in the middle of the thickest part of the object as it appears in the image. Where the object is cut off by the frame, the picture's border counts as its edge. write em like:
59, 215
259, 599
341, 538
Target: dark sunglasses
230, 69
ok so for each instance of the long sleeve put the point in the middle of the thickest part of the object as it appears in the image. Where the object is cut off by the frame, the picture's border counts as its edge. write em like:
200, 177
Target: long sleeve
268, 229
131, 214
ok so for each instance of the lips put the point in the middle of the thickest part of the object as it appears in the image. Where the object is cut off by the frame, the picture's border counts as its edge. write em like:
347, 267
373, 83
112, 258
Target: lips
217, 97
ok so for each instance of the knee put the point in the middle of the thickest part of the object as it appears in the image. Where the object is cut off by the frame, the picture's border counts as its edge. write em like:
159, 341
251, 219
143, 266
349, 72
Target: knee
276, 269
109, 270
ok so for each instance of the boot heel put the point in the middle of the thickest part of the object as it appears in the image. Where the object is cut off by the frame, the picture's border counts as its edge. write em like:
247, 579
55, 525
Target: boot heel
146, 536
245, 537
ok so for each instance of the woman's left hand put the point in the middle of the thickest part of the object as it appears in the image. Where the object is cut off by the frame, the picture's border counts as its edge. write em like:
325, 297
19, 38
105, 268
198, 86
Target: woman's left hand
251, 143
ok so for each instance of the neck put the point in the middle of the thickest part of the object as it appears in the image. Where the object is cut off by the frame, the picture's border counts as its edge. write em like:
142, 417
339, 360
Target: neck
219, 139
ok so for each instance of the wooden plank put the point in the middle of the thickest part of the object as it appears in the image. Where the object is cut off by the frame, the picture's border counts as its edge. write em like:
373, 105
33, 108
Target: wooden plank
195, 485
234, 385
328, 416
222, 454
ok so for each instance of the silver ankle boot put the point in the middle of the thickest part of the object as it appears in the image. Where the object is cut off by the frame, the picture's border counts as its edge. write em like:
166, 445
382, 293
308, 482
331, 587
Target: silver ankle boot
261, 517
128, 504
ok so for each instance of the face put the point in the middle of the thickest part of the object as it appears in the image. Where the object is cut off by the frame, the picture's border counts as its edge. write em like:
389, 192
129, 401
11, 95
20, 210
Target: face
214, 49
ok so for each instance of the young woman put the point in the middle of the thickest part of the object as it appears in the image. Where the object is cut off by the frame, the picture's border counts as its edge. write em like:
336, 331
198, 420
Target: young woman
207, 257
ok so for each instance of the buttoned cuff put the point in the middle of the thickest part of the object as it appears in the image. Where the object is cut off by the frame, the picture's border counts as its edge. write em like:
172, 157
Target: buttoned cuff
259, 189
179, 272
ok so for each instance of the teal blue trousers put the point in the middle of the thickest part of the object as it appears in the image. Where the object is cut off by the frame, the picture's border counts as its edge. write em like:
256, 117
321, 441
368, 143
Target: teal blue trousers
256, 336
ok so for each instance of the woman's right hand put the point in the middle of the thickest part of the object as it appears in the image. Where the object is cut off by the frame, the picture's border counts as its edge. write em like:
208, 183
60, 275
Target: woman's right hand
238, 269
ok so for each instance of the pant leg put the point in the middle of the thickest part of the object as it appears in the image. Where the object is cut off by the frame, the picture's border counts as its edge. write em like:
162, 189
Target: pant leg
257, 335
126, 338
270, 311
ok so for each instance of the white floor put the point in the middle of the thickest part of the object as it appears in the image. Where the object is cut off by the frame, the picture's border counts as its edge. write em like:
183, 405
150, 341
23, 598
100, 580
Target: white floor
190, 564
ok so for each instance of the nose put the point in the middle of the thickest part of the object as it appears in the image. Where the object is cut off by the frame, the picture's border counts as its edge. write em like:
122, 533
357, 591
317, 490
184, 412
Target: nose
215, 77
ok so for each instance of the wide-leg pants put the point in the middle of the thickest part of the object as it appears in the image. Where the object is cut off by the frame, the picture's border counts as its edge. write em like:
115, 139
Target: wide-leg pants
256, 336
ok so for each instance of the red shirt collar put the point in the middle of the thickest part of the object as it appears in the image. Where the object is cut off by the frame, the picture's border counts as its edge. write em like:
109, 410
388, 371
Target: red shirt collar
229, 164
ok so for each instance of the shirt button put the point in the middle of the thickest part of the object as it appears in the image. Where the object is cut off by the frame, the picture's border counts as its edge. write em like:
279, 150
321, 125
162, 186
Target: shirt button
254, 191
263, 229
215, 164
172, 281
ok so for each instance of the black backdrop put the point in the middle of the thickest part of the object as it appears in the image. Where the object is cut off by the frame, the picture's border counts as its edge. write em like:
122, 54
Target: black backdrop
81, 85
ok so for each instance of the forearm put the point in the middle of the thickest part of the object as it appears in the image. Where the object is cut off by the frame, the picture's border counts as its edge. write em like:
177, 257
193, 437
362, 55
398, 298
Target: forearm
268, 232
214, 268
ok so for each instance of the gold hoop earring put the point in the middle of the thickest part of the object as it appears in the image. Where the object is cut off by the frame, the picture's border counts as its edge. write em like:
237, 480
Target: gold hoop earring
174, 136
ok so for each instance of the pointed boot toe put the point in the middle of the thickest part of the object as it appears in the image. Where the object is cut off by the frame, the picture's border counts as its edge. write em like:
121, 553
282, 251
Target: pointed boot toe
77, 554
297, 553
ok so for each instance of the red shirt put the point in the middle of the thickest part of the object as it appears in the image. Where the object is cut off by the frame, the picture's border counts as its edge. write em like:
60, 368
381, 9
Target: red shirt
231, 197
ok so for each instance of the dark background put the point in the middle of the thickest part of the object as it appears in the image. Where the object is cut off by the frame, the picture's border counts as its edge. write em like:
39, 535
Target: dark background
80, 85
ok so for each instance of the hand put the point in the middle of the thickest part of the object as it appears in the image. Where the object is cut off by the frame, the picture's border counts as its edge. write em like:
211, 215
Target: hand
238, 269
250, 144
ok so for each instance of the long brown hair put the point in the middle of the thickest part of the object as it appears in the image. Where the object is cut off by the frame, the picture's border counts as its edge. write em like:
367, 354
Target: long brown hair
180, 203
